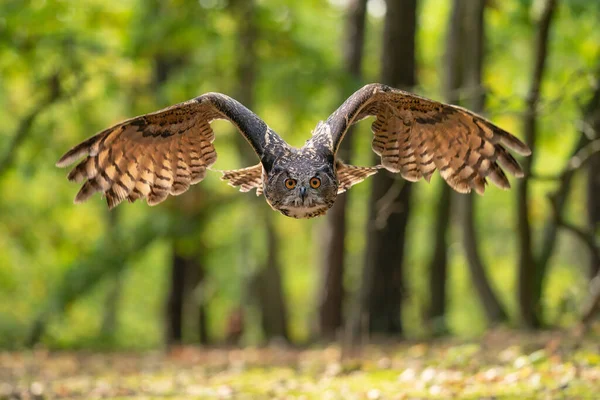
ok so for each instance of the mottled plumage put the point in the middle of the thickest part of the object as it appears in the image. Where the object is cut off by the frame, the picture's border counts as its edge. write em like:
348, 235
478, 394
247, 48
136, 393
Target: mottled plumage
162, 153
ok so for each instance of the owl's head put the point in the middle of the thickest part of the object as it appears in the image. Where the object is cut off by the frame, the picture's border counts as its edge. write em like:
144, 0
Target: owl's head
301, 185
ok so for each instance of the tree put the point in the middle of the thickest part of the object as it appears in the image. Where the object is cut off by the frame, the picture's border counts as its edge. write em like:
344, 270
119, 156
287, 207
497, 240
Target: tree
585, 154
187, 262
530, 274
267, 281
382, 284
334, 232
473, 68
592, 119
464, 65
438, 267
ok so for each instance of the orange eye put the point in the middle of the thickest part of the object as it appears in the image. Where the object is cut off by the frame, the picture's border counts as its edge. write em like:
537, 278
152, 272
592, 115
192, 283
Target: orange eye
315, 182
290, 183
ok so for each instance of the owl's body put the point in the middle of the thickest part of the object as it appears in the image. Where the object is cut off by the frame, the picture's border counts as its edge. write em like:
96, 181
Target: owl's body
162, 153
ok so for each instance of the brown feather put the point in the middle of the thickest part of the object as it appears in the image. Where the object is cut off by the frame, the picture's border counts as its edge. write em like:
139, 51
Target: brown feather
246, 178
350, 175
153, 155
414, 136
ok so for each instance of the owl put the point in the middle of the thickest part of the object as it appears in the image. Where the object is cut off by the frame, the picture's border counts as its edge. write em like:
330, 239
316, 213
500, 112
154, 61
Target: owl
164, 152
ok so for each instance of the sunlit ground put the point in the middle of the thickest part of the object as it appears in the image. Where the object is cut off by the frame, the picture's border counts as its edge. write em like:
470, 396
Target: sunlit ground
502, 365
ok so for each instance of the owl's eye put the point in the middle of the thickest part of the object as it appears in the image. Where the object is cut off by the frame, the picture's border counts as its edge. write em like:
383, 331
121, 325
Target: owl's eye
315, 182
290, 183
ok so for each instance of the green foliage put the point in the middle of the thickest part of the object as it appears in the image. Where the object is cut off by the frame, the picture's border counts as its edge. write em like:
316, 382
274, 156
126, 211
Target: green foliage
57, 258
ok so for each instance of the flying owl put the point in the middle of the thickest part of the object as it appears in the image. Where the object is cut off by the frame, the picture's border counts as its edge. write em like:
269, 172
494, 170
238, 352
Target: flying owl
162, 153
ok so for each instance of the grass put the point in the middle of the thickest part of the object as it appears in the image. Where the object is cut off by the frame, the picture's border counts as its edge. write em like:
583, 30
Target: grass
501, 365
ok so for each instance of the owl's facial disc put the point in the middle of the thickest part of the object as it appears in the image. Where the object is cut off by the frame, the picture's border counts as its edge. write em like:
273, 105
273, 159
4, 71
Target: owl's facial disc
301, 190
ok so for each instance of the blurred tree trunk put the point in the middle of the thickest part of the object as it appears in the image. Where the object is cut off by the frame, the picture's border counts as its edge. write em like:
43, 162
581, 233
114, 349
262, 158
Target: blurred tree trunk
593, 201
184, 265
173, 329
474, 40
530, 274
267, 286
334, 232
110, 319
382, 285
268, 279
175, 302
203, 337
592, 119
109, 324
438, 267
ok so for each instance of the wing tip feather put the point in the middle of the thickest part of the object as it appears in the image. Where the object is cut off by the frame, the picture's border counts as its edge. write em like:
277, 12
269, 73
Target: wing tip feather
70, 157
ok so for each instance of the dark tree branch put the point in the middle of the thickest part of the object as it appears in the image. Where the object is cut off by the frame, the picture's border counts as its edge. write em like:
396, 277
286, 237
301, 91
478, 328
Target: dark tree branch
560, 198
581, 155
584, 155
586, 237
592, 303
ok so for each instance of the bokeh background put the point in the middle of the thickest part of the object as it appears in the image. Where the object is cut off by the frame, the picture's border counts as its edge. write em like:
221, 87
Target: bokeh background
216, 266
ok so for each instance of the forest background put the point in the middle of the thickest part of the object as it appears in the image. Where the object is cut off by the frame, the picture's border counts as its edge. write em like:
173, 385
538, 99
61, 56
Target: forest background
215, 266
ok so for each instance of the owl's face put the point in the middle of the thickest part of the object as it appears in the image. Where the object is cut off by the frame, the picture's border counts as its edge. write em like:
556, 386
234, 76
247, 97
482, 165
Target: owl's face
301, 187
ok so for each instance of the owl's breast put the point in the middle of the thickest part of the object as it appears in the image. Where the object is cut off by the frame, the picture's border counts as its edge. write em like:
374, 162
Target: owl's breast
304, 212
300, 211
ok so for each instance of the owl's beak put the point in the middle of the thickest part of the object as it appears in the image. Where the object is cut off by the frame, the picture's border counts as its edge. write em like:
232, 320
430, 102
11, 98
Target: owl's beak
302, 192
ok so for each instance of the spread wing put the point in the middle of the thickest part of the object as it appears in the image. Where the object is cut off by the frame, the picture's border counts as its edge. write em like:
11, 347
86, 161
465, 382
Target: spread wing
415, 136
162, 153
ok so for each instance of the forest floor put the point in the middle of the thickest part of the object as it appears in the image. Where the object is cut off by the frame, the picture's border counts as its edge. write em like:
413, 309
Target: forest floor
501, 365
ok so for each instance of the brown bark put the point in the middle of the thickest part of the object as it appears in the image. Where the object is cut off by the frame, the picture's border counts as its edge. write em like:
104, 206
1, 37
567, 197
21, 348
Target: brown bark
270, 288
438, 266
174, 317
593, 202
187, 274
181, 264
110, 316
593, 171
529, 306
473, 67
203, 337
334, 232
267, 287
382, 286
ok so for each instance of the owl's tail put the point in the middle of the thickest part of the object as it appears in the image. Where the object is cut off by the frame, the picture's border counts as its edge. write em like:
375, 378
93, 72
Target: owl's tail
246, 178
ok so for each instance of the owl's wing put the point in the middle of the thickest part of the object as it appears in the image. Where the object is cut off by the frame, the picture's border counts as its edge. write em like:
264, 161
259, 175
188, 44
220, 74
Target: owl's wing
415, 136
161, 153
